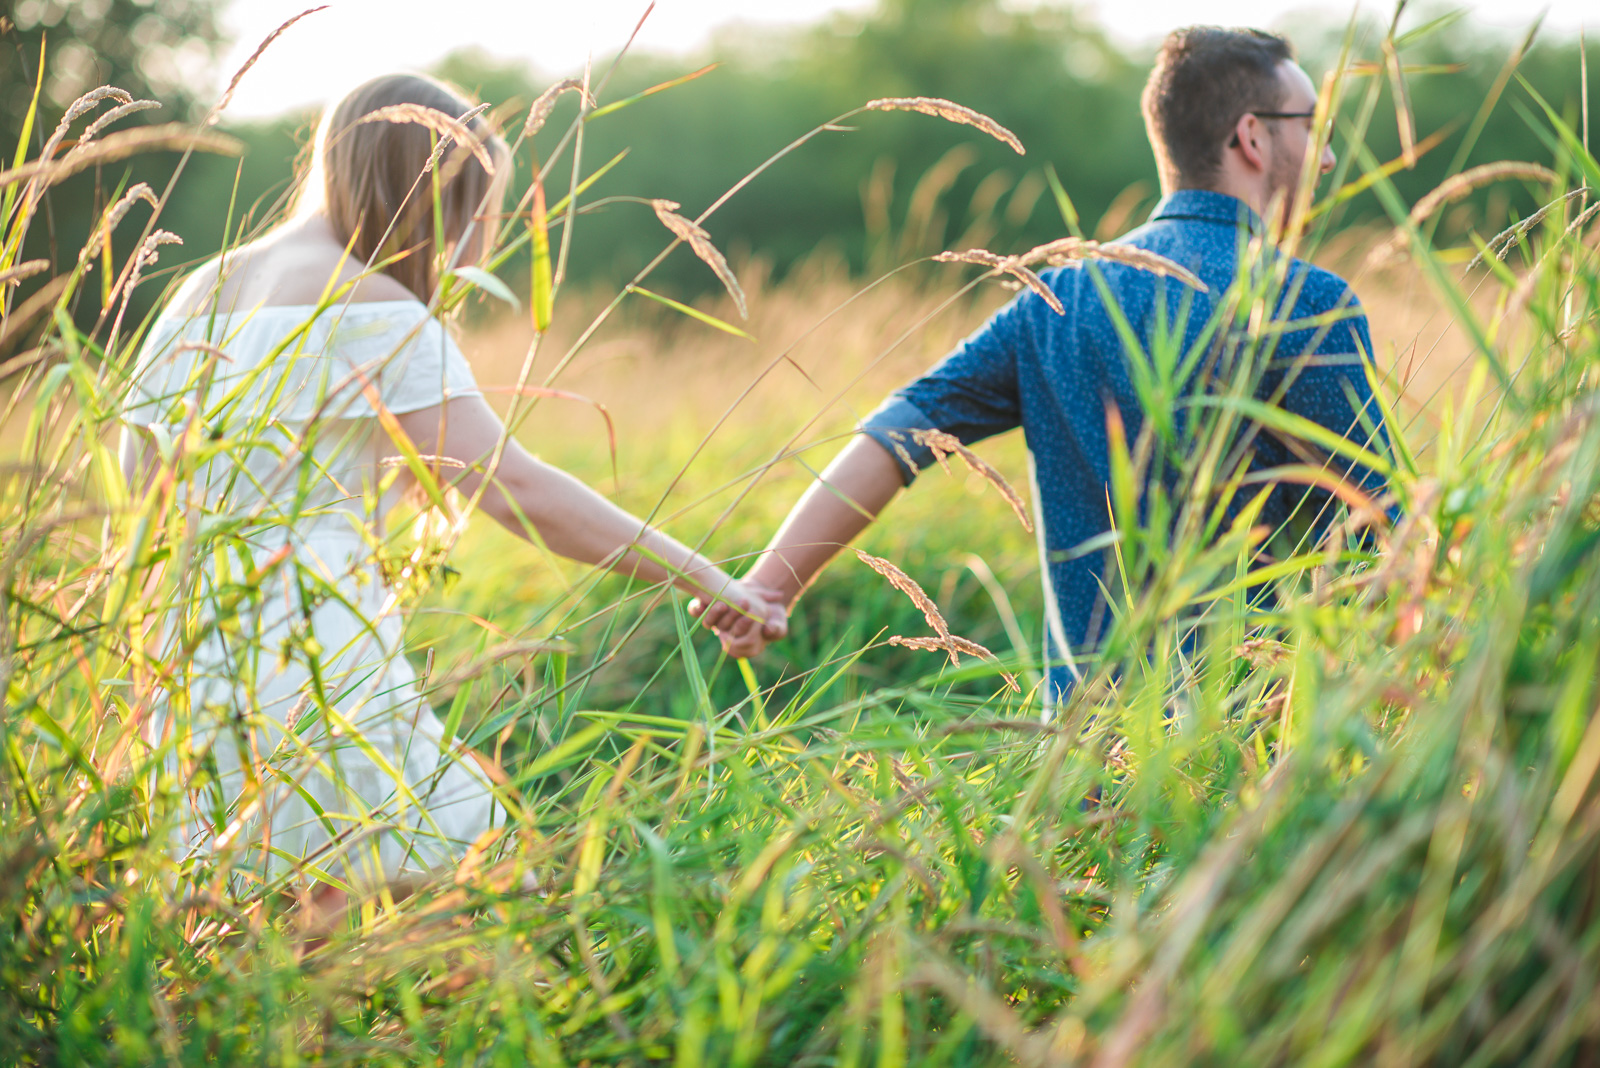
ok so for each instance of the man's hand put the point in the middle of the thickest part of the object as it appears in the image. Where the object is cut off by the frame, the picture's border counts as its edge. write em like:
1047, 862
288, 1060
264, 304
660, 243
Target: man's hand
837, 506
745, 618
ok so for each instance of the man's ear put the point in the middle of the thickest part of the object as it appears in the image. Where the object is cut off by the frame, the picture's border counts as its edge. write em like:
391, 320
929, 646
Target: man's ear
1248, 133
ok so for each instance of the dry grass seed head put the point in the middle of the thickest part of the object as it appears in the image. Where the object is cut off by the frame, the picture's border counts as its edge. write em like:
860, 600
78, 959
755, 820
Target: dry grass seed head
944, 444
244, 68
26, 269
1459, 185
1500, 243
148, 254
439, 123
906, 585
546, 103
76, 110
114, 216
203, 346
897, 441
1011, 265
118, 112
1065, 250
1518, 301
1454, 188
177, 136
950, 111
695, 236
956, 643
445, 142
981, 256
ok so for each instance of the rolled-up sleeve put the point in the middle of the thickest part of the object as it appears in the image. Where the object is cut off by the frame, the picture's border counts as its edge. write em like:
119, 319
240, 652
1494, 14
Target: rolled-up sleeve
970, 394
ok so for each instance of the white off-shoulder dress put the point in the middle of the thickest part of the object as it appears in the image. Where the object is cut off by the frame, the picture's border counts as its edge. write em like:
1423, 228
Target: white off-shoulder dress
296, 719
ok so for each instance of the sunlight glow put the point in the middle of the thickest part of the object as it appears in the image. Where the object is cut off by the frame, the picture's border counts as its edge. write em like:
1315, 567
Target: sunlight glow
357, 39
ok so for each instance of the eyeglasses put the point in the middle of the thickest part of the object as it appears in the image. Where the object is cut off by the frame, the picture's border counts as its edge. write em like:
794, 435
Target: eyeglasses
1327, 130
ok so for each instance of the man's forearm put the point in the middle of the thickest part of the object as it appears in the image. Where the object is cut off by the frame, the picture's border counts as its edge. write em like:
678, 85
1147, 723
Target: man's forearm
837, 507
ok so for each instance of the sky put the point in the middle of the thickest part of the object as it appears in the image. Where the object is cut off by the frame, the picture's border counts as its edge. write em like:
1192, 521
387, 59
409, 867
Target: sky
353, 40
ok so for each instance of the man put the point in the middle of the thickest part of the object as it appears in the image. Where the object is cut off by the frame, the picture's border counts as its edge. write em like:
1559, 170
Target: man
1229, 114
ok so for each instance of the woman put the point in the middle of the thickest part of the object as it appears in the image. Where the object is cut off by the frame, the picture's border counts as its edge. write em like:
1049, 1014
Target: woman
297, 383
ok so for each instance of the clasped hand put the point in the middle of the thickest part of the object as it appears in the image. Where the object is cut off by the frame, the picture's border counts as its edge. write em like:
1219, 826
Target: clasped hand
745, 617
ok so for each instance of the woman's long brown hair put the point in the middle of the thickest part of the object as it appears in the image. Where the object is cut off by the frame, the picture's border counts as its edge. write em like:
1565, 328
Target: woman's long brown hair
376, 184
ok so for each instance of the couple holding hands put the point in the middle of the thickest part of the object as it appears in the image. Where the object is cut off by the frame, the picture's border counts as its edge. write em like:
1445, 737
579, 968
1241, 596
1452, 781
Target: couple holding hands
309, 358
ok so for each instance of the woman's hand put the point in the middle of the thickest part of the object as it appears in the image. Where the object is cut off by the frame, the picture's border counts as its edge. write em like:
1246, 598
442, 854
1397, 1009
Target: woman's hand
745, 617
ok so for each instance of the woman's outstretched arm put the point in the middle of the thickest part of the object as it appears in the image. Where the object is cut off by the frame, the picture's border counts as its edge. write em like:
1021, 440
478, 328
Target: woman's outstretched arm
528, 497
842, 502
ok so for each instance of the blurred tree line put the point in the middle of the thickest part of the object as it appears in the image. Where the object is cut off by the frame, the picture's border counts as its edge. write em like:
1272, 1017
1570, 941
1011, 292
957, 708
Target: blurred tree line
898, 186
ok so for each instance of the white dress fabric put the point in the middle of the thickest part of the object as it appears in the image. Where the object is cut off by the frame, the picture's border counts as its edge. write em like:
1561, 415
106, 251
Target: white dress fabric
308, 741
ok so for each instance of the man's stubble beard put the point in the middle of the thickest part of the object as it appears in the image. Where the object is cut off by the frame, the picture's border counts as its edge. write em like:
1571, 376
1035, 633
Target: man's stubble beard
1282, 181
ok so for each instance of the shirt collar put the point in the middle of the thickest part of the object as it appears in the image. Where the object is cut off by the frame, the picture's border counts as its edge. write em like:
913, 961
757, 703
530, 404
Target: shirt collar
1206, 205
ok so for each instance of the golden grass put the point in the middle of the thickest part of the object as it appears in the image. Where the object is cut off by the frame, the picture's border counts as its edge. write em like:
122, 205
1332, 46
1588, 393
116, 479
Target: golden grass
944, 445
919, 597
174, 136
1067, 250
244, 68
546, 103
1454, 188
447, 127
121, 111
699, 241
953, 645
950, 111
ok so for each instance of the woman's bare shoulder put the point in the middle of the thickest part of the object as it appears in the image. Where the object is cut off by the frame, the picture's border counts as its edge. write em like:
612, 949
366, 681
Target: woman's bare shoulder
290, 267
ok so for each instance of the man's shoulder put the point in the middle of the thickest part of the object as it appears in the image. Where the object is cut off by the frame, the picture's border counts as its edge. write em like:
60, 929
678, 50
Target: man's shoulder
1320, 289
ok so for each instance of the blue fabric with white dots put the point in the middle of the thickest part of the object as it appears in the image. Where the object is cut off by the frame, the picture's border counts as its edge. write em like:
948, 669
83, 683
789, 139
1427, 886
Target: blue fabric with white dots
1056, 376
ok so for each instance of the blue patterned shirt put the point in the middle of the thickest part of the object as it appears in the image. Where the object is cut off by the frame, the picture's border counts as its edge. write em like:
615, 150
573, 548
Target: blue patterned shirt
1057, 376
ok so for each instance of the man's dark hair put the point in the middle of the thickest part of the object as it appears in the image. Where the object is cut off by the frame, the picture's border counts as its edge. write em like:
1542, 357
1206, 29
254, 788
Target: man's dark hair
1204, 79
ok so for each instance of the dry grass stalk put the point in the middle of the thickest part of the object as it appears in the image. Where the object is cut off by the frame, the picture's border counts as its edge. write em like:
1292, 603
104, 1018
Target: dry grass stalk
26, 269
427, 458
1454, 188
692, 233
1403, 117
238, 75
546, 103
897, 440
148, 254
1525, 286
203, 346
1011, 265
114, 216
954, 645
499, 654
950, 111
956, 642
439, 123
944, 445
175, 135
1459, 185
1065, 250
906, 585
1498, 245
76, 110
446, 142
121, 111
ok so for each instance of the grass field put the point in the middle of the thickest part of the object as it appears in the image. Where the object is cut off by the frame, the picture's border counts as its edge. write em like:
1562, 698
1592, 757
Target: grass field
1361, 827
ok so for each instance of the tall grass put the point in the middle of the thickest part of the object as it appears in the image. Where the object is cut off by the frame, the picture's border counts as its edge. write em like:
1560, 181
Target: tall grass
1357, 824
